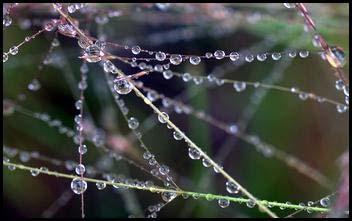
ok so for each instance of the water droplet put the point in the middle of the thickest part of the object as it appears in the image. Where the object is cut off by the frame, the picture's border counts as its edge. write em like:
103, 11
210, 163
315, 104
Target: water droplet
261, 57
100, 185
5, 57
136, 49
310, 204
35, 172
163, 117
147, 155
197, 80
341, 108
234, 56
24, 156
94, 53
6, 21
251, 203
133, 123
216, 170
346, 90
325, 202
292, 54
168, 196
336, 57
339, 85
303, 96
186, 77
289, 5
78, 186
195, 60
78, 104
249, 58
14, 50
177, 135
211, 78
175, 59
152, 96
163, 169
193, 153
160, 56
208, 55
122, 86
219, 54
54, 43
50, 26
275, 56
223, 203
34, 85
232, 187
109, 67
11, 167
206, 163
233, 129
239, 86
304, 54
80, 169
82, 149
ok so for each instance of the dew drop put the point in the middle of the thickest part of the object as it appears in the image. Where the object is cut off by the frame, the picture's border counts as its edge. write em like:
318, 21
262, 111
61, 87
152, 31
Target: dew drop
232, 187
303, 96
133, 123
80, 169
14, 50
79, 104
78, 186
206, 163
239, 86
336, 57
168, 196
249, 58
261, 57
234, 56
304, 54
82, 149
193, 153
219, 54
122, 86
186, 77
292, 54
341, 108
208, 55
136, 49
100, 185
275, 56
163, 117
223, 203
152, 96
6, 21
175, 59
177, 135
250, 203
163, 169
289, 5
34, 85
35, 172
195, 60
339, 85
325, 202
5, 57
160, 56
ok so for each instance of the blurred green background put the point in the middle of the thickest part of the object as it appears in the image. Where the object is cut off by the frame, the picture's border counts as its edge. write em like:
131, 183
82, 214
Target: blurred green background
313, 132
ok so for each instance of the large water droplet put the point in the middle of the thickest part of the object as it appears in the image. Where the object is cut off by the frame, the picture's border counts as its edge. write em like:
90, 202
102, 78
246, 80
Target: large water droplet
223, 203
193, 153
239, 86
78, 186
122, 86
133, 123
